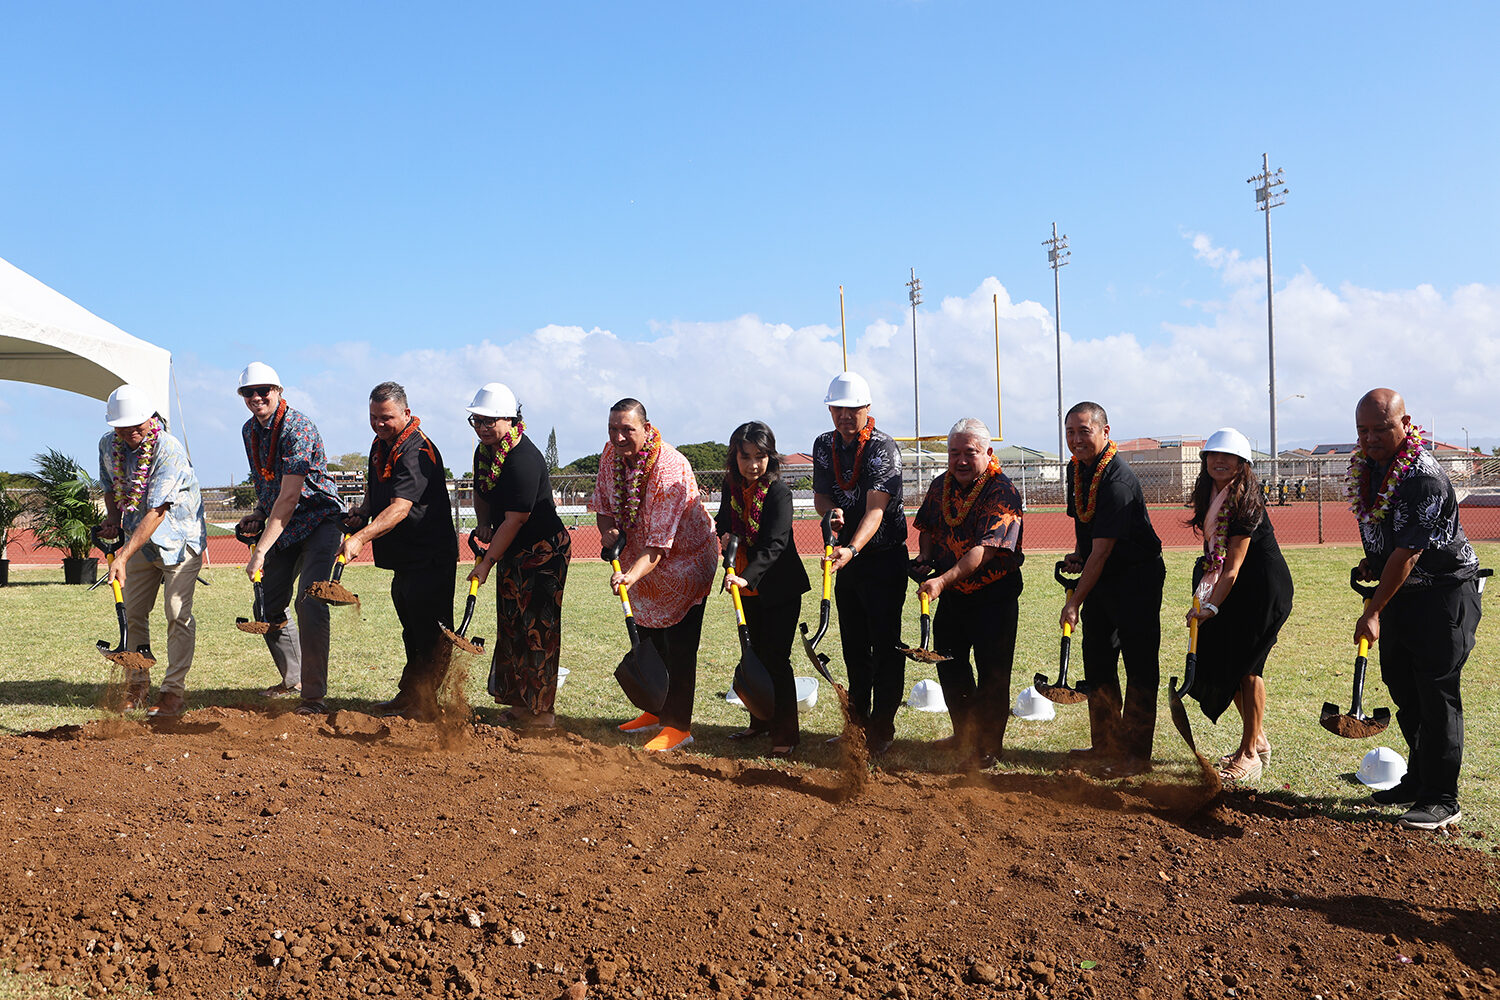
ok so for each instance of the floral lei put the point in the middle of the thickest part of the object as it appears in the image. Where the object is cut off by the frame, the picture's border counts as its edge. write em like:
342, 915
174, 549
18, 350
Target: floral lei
492, 459
630, 483
847, 485
747, 508
961, 505
129, 497
386, 454
1083, 504
267, 470
1218, 541
1370, 506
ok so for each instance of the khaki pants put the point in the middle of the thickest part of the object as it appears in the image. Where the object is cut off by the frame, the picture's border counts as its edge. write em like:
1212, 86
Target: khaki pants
143, 578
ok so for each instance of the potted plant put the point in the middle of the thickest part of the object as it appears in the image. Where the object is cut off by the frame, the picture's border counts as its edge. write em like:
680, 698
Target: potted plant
65, 512
10, 512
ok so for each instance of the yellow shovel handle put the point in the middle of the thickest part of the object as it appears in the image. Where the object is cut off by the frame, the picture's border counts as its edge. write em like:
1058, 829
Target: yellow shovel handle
739, 607
256, 577
1067, 630
926, 603
473, 588
624, 596
114, 585
827, 572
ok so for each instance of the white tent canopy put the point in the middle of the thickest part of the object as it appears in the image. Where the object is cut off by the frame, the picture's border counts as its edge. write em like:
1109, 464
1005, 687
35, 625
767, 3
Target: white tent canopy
49, 339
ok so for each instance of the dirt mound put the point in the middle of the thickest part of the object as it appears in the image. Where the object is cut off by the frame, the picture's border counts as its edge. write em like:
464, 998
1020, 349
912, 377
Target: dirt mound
240, 854
331, 592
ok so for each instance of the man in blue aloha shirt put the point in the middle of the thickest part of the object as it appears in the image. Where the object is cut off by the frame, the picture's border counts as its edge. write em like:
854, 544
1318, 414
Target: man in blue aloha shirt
151, 492
298, 516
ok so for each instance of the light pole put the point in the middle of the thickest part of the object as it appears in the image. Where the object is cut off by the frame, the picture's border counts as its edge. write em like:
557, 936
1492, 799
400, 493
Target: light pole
1466, 438
915, 295
1057, 256
1270, 191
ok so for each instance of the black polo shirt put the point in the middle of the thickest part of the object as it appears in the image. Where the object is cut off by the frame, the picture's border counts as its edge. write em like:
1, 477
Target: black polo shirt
1119, 513
426, 535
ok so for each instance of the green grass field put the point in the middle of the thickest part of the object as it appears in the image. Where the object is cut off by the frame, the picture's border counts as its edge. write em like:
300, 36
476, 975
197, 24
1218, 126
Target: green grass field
54, 677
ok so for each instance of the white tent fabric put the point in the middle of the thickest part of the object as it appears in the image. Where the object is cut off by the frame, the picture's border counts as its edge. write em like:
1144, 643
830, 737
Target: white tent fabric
49, 339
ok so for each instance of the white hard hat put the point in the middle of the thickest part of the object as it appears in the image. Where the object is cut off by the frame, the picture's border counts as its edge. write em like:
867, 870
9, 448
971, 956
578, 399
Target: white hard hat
848, 389
128, 406
1382, 768
1032, 706
494, 399
807, 692
259, 373
1230, 442
927, 696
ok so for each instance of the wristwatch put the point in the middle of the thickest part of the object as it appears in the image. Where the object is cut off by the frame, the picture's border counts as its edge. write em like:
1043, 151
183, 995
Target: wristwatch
1212, 609
853, 550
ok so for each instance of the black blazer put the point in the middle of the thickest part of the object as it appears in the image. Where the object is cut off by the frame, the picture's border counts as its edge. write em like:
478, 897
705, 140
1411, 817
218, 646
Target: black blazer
773, 568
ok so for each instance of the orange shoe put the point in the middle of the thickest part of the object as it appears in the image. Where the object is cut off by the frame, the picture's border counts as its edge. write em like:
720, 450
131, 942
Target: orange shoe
670, 739
644, 724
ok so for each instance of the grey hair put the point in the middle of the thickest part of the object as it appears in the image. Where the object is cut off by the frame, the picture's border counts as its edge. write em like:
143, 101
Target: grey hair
970, 427
387, 392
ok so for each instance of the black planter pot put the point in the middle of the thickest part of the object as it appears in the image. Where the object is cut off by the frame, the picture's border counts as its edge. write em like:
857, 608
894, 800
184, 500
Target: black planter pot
80, 570
4, 572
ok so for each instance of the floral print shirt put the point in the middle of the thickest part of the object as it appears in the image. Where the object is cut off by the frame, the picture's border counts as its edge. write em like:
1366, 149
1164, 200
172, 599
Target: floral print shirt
172, 483
994, 521
300, 453
1423, 516
672, 517
880, 471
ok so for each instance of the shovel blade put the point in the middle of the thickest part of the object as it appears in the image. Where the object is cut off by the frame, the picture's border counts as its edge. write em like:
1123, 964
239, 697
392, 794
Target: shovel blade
752, 682
1179, 713
642, 675
1352, 727
1057, 693
819, 660
923, 655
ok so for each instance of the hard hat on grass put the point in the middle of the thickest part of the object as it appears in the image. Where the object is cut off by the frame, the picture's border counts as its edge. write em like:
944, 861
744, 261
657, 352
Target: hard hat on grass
1381, 768
927, 696
1033, 707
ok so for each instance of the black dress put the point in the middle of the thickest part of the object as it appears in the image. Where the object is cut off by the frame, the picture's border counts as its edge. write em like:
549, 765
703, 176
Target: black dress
1234, 643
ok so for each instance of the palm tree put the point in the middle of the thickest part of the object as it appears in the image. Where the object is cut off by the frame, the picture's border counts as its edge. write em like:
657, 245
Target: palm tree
62, 503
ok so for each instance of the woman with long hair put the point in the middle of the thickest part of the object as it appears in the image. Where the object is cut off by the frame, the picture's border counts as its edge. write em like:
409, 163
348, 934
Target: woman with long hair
757, 507
1244, 596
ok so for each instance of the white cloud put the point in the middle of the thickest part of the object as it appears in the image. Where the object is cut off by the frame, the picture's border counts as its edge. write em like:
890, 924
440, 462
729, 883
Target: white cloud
700, 379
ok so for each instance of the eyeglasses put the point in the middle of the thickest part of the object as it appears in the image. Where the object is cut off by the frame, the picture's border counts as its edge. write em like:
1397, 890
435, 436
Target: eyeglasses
263, 391
475, 420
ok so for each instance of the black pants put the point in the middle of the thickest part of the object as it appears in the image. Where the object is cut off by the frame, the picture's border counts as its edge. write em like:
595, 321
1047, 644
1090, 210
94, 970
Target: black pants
678, 646
870, 592
423, 598
984, 622
1425, 638
773, 628
1122, 618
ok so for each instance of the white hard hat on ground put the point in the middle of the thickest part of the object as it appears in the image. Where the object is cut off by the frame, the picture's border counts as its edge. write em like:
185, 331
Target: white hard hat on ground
1382, 768
1230, 442
494, 399
807, 692
562, 676
927, 696
128, 406
1033, 707
848, 389
259, 373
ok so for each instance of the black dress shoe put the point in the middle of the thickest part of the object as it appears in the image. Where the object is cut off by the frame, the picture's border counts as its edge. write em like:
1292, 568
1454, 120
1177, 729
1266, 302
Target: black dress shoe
395, 706
749, 734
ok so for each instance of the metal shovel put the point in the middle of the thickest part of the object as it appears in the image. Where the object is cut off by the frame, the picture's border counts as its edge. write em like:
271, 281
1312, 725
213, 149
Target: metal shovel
1189, 671
641, 673
476, 644
825, 609
331, 591
1355, 724
752, 681
1060, 692
141, 658
256, 624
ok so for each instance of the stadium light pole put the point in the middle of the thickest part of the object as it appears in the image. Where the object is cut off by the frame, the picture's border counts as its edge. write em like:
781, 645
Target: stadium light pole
1057, 256
1270, 192
914, 293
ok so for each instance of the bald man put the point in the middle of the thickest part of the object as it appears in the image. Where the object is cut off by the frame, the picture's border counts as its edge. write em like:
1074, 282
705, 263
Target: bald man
1426, 609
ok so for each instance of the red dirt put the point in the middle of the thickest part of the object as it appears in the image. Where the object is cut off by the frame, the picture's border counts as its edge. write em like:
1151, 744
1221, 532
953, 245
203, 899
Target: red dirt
330, 592
232, 853
255, 628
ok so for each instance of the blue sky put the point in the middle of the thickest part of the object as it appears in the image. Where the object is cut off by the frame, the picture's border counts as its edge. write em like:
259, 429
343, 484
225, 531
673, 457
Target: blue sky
661, 200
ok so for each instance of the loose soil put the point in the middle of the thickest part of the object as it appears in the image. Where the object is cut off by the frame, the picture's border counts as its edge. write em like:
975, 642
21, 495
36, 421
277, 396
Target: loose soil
468, 646
923, 655
236, 853
254, 628
331, 592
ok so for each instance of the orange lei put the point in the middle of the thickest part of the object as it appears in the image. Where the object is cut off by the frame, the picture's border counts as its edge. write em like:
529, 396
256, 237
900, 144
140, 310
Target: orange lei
386, 454
267, 471
1083, 504
864, 438
747, 507
963, 504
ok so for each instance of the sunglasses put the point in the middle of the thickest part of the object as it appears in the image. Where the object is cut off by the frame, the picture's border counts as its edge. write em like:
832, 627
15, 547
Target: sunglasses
475, 420
264, 391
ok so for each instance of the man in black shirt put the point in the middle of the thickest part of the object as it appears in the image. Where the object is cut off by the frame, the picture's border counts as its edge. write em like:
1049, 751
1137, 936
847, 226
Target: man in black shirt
1425, 612
857, 476
1119, 593
406, 494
